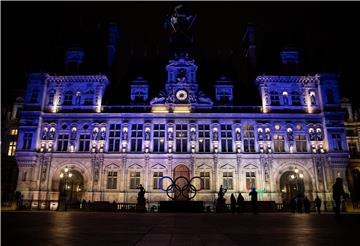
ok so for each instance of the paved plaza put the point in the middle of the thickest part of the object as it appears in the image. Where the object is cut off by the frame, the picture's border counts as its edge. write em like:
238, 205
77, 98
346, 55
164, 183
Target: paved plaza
106, 228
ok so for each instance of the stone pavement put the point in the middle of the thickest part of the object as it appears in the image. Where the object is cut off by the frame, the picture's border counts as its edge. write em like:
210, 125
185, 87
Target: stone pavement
106, 228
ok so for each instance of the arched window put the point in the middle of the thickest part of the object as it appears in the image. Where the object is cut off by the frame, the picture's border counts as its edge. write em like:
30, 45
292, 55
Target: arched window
68, 98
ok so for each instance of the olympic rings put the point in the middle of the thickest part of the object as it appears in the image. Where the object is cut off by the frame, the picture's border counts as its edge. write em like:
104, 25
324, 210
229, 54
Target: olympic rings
183, 191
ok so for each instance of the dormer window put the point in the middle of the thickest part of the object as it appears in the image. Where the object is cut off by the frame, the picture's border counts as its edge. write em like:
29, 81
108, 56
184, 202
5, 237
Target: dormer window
275, 99
89, 97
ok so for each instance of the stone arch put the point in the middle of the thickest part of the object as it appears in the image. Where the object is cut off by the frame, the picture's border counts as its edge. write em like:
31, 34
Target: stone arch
78, 167
309, 179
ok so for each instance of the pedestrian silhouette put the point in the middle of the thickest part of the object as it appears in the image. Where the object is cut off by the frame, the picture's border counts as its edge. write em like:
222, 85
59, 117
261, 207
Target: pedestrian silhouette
233, 203
254, 204
299, 204
338, 193
306, 205
240, 203
293, 204
318, 204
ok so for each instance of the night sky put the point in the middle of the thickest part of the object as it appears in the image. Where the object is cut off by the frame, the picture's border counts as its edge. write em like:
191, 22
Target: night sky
36, 34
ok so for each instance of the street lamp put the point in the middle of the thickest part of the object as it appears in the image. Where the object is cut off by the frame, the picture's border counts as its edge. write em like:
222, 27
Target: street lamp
65, 175
296, 177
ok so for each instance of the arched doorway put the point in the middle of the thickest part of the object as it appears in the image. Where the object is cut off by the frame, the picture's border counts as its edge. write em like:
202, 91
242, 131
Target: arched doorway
181, 171
291, 185
71, 188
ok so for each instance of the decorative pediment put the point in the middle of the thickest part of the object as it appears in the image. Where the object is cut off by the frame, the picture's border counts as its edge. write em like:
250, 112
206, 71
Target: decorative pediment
158, 166
135, 166
250, 166
227, 166
204, 166
112, 166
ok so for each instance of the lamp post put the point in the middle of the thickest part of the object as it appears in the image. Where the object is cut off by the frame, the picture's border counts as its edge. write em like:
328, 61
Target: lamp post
296, 177
65, 175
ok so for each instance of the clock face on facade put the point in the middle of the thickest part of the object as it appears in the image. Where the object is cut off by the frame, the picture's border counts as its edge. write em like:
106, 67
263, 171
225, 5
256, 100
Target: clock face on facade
181, 95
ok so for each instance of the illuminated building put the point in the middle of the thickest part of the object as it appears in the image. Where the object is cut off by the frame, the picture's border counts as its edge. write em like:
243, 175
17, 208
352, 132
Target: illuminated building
292, 142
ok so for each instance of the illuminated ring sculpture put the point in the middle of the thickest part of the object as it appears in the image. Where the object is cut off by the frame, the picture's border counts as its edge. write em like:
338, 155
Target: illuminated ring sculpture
182, 191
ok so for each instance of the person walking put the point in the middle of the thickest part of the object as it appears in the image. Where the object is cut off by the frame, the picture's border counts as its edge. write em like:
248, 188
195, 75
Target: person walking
306, 205
232, 203
338, 193
318, 204
240, 203
253, 195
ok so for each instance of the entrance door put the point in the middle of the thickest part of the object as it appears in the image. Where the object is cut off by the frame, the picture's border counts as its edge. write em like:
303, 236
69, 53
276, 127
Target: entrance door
291, 185
72, 189
181, 171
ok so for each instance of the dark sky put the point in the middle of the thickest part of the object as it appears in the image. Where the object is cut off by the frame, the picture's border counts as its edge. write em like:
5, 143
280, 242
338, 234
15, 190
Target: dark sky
35, 35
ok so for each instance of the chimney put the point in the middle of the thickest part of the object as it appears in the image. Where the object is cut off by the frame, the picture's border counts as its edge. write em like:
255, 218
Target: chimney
249, 38
290, 60
112, 43
73, 59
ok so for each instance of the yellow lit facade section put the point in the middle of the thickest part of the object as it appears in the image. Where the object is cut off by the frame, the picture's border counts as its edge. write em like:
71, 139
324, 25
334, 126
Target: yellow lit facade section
182, 110
14, 132
160, 110
12, 148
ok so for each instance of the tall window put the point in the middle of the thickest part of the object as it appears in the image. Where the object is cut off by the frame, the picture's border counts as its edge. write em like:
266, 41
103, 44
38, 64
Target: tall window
181, 138
206, 177
275, 99
295, 98
84, 142
14, 132
228, 180
136, 137
111, 180
156, 178
300, 142
89, 97
226, 138
114, 137
279, 143
250, 180
204, 138
353, 149
62, 143
248, 138
27, 140
337, 141
134, 180
68, 98
159, 138
12, 148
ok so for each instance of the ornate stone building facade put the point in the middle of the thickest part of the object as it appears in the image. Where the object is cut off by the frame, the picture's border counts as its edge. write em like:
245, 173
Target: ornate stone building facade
293, 143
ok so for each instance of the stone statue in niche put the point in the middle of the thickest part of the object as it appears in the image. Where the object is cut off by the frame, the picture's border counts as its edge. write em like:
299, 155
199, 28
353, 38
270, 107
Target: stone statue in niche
170, 136
260, 135
95, 134
215, 136
319, 135
290, 135
312, 135
103, 134
192, 136
238, 136
147, 135
73, 134
286, 100
267, 136
312, 99
43, 173
52, 134
44, 134
125, 135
